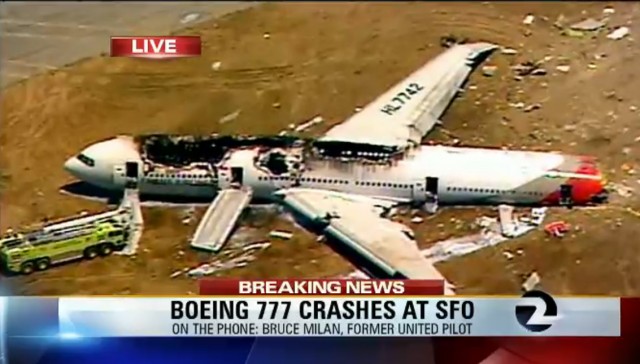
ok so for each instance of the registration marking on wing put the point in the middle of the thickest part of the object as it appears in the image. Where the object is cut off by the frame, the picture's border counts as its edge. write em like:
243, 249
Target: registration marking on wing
401, 98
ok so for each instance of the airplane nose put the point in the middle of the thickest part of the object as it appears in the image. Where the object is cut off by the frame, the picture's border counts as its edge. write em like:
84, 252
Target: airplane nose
73, 166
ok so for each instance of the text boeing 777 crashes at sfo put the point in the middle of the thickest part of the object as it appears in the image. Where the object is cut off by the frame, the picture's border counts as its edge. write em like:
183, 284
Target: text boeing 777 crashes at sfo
344, 181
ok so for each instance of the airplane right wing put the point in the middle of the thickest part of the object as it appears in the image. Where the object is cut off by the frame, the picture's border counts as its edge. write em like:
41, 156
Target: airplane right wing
409, 110
356, 222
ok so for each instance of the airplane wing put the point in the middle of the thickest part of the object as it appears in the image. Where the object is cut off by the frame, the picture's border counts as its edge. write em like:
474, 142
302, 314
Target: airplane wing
357, 224
408, 111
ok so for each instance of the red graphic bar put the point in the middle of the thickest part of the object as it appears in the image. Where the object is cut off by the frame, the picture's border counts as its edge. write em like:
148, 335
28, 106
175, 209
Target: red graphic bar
156, 47
321, 287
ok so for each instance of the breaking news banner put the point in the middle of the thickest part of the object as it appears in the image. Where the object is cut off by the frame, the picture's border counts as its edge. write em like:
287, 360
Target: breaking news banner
330, 308
156, 47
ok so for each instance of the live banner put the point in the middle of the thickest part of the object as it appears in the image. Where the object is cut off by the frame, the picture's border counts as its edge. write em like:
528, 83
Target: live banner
319, 308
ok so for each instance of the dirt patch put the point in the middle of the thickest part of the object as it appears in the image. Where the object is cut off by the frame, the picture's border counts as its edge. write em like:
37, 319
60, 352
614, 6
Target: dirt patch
326, 59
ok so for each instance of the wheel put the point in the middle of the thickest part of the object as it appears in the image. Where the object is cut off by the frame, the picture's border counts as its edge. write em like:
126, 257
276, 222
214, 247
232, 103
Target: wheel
43, 264
27, 268
106, 249
91, 252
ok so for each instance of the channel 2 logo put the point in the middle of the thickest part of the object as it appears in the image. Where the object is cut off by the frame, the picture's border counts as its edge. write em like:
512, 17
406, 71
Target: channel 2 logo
537, 311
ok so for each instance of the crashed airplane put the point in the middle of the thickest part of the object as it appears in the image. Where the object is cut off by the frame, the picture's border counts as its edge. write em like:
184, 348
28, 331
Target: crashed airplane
344, 182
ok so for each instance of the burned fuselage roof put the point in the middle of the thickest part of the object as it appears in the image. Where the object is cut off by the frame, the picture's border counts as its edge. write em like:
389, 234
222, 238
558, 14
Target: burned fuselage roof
181, 150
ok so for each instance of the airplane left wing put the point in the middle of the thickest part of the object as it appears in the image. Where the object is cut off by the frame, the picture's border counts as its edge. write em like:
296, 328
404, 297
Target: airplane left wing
409, 110
356, 222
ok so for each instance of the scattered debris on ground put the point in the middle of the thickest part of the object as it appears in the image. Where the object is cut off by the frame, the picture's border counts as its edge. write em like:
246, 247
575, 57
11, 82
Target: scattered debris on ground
491, 234
304, 126
230, 117
489, 71
563, 68
216, 65
528, 20
239, 253
450, 40
417, 220
509, 51
532, 107
619, 33
266, 36
557, 229
280, 234
188, 215
621, 190
531, 282
189, 18
608, 11
529, 68
588, 25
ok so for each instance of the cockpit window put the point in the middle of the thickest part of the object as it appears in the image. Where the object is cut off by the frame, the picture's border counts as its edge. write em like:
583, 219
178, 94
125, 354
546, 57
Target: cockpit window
86, 160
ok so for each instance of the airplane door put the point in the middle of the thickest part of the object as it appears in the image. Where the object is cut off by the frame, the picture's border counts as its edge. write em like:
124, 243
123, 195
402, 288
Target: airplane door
237, 175
431, 186
131, 174
566, 195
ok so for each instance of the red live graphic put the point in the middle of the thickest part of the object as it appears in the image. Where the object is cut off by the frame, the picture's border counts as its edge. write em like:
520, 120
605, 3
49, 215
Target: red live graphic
155, 47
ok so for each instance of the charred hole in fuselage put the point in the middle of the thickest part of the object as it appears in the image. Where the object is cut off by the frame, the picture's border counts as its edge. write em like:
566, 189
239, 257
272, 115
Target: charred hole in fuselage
372, 152
179, 151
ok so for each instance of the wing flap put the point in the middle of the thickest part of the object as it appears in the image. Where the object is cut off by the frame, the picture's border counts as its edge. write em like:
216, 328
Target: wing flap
356, 222
404, 114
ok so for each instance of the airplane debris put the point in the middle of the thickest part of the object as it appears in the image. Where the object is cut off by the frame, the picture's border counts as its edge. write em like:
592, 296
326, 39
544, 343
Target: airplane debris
507, 224
591, 66
175, 274
276, 105
573, 33
608, 11
230, 117
187, 215
489, 71
529, 68
509, 51
619, 33
489, 236
626, 168
588, 25
560, 22
417, 220
216, 65
508, 255
528, 20
189, 18
563, 68
280, 234
518, 105
532, 107
308, 124
266, 36
557, 229
531, 282
450, 40
622, 190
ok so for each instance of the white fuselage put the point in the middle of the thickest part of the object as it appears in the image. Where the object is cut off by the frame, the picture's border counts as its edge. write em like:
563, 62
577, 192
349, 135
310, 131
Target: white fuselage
464, 175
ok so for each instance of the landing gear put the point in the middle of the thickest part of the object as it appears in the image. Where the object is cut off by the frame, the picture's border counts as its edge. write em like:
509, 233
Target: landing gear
566, 196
